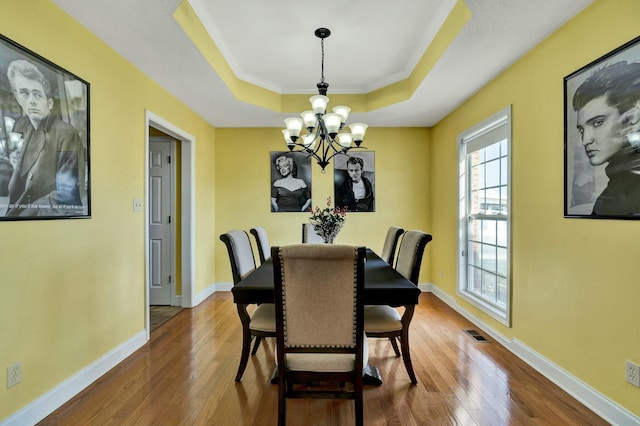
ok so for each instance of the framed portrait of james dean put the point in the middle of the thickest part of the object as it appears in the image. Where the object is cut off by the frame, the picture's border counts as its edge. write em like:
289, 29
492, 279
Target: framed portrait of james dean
354, 181
290, 182
44, 138
602, 137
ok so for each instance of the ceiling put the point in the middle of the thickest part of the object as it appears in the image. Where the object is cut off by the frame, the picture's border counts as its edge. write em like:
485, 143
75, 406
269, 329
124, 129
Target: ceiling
271, 44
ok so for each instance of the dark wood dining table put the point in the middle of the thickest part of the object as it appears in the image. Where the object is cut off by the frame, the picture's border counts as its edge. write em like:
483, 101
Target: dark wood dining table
383, 285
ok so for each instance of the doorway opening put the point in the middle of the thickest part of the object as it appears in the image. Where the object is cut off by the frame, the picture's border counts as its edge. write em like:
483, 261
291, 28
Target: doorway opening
184, 189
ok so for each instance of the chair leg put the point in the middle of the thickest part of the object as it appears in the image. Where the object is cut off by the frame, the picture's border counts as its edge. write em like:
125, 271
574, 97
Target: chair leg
395, 346
406, 357
256, 345
404, 343
359, 403
246, 340
282, 399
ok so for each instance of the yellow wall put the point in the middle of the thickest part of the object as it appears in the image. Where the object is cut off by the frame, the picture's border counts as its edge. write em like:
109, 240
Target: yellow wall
576, 291
244, 189
72, 290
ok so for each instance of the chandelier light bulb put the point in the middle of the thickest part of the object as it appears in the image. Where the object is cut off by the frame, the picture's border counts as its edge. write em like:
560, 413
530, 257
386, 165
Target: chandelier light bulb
358, 130
309, 141
287, 138
294, 126
332, 123
343, 111
345, 139
310, 120
319, 103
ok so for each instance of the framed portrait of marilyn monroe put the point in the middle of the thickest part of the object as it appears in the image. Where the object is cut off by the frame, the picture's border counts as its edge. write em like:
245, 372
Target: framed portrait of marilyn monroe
44, 138
602, 137
290, 182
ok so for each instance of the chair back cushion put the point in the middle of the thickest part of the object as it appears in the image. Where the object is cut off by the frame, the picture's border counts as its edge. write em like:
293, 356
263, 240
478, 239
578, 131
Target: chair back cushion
390, 244
309, 235
262, 242
240, 254
317, 286
410, 254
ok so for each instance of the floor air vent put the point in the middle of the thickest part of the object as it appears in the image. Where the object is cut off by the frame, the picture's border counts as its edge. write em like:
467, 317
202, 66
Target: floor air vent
476, 336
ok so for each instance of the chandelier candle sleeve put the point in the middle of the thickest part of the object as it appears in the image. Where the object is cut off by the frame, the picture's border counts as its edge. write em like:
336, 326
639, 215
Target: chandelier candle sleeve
326, 136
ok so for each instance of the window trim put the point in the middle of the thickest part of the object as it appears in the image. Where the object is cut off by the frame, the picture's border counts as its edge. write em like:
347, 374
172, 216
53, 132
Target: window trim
498, 125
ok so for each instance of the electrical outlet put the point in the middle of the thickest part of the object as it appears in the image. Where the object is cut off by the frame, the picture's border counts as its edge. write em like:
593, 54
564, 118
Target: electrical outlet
633, 373
14, 374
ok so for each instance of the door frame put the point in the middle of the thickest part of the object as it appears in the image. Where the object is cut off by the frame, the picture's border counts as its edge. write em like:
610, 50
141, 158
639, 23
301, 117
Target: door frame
186, 144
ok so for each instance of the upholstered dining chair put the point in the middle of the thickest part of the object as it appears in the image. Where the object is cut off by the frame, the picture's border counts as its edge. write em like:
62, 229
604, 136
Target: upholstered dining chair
382, 321
262, 242
261, 323
390, 244
309, 235
319, 320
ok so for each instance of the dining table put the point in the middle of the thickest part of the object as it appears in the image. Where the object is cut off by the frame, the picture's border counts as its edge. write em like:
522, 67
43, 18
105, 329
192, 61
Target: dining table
383, 285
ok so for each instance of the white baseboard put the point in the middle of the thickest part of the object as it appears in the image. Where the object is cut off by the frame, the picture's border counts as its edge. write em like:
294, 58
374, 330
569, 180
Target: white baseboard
212, 289
224, 286
204, 294
590, 397
41, 407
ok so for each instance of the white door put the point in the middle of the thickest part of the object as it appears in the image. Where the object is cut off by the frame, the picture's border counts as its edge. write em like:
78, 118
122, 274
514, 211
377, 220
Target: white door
161, 202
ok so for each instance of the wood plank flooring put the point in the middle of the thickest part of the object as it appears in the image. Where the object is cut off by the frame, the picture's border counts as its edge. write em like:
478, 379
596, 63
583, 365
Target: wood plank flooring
184, 376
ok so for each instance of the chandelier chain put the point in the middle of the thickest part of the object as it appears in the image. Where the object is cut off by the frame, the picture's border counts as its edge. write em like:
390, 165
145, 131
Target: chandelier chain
322, 64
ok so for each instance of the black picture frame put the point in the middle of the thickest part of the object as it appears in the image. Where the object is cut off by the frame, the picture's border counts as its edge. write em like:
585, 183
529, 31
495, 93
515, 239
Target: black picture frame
44, 138
342, 189
295, 194
602, 137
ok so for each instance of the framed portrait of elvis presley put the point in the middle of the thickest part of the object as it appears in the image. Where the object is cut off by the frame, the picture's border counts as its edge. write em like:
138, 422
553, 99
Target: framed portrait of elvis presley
602, 137
44, 138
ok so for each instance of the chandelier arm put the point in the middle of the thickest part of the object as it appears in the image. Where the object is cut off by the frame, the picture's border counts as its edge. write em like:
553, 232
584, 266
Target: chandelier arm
336, 152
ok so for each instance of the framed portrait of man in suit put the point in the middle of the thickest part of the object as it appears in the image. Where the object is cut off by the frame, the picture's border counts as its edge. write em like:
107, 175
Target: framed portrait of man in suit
354, 181
44, 138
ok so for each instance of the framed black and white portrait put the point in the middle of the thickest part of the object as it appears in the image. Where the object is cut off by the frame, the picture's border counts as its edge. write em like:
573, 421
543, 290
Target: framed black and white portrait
602, 137
44, 138
290, 182
354, 181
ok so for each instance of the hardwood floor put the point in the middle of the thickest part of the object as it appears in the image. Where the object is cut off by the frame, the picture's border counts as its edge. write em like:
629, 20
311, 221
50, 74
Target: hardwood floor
185, 376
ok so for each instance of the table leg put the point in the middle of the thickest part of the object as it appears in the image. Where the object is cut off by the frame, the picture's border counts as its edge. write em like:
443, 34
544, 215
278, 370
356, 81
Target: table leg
371, 376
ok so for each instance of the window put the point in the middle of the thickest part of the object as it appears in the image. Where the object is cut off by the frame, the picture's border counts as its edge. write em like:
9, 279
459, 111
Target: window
484, 246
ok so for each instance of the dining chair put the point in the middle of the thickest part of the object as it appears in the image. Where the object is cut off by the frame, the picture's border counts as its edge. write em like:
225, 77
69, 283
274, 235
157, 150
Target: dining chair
262, 242
390, 244
381, 321
309, 235
320, 342
261, 323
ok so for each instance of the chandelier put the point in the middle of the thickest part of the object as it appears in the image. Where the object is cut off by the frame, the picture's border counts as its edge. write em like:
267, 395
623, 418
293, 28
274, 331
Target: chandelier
326, 136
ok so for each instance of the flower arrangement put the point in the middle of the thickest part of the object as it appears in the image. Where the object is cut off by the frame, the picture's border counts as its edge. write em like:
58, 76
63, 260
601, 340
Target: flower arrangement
327, 222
